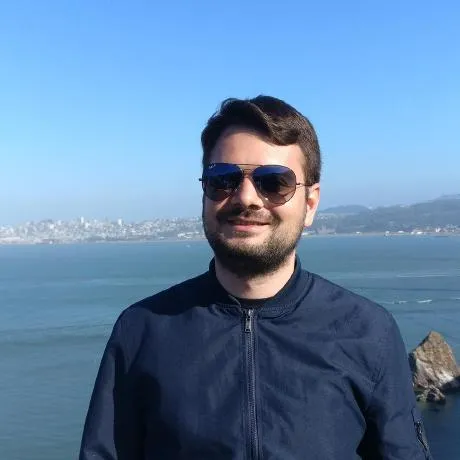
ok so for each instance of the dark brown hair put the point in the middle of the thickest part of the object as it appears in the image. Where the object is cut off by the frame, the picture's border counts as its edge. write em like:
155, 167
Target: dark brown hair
276, 121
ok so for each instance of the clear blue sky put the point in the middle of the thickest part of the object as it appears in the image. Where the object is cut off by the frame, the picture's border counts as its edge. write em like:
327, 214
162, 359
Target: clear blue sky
102, 102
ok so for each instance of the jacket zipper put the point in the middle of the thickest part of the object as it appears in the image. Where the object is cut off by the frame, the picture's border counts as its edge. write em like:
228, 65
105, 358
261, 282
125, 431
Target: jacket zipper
251, 382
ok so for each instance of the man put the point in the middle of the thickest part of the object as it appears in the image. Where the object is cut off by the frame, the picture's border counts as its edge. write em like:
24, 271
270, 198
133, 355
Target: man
256, 358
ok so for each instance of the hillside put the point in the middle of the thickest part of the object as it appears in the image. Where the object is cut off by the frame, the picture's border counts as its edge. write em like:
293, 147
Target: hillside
442, 213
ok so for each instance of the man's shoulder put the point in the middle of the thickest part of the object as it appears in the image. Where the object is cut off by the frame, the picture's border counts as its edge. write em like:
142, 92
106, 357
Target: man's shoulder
348, 308
362, 327
171, 301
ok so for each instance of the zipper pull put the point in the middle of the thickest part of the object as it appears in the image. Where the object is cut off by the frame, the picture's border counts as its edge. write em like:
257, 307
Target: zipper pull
248, 320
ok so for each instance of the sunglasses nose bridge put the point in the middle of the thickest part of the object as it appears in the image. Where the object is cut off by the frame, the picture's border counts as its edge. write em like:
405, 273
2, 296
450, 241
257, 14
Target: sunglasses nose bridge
246, 173
247, 191
246, 170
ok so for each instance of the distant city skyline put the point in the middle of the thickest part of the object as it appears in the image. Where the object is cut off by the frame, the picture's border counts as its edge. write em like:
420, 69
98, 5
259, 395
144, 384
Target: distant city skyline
418, 219
142, 209
103, 103
127, 217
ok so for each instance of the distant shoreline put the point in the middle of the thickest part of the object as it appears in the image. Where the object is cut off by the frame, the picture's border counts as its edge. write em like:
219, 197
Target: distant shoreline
195, 239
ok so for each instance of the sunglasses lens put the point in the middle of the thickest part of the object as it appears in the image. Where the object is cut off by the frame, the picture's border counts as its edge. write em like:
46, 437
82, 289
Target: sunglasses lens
220, 180
276, 183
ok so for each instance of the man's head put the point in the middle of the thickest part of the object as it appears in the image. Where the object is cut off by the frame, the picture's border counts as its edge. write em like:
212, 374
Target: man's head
253, 216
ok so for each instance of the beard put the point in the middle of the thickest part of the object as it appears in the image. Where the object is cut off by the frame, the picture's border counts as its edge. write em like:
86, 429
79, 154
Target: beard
245, 259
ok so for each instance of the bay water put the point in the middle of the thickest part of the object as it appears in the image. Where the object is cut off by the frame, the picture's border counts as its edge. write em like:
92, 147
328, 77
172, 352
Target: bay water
58, 304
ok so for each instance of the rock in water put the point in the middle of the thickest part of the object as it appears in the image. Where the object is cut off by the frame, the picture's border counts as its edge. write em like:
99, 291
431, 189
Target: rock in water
433, 365
432, 394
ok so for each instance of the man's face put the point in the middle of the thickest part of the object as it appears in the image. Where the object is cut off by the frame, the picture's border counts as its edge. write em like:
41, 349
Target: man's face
250, 235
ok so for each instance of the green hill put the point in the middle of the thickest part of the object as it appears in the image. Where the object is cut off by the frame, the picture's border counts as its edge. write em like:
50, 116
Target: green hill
444, 213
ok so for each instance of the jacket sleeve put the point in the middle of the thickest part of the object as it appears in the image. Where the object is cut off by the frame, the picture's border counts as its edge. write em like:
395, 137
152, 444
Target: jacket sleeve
394, 425
113, 428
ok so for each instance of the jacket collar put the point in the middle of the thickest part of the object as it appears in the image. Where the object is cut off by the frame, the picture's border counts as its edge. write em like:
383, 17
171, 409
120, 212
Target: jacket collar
285, 300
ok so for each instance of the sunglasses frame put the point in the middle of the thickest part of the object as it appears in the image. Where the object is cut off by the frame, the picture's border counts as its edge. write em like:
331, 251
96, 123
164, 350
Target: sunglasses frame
248, 172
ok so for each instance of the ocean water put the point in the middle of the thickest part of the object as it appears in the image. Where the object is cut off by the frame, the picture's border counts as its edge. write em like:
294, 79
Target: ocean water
58, 305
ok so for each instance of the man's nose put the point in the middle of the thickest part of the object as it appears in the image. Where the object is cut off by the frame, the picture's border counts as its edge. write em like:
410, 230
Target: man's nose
247, 195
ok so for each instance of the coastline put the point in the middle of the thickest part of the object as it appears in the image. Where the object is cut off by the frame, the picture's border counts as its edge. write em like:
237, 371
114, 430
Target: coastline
54, 242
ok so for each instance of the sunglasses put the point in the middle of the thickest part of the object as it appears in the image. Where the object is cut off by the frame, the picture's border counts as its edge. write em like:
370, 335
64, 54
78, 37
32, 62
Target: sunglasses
276, 183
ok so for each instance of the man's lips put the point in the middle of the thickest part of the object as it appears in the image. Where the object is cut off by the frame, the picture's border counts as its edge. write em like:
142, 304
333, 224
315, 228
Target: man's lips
246, 222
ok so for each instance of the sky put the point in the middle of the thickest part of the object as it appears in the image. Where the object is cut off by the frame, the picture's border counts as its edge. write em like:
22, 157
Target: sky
102, 102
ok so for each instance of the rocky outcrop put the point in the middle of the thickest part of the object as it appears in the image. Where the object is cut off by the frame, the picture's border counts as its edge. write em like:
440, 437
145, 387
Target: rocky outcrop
432, 394
434, 368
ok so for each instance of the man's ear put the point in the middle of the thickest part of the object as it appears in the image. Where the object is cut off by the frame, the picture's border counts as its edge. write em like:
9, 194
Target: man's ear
312, 204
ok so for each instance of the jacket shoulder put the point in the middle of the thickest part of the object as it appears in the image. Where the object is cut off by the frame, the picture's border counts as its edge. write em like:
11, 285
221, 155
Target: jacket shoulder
365, 328
348, 306
170, 301
136, 321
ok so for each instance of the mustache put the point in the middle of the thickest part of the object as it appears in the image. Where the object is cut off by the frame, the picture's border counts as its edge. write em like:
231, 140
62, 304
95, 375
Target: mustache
243, 213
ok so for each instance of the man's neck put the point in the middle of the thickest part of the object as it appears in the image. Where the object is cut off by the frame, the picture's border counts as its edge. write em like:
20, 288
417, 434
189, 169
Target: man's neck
258, 287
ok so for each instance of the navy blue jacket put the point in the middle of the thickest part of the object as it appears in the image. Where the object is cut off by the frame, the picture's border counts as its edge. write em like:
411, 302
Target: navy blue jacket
317, 372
